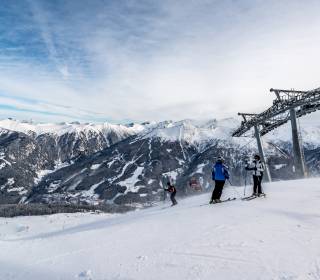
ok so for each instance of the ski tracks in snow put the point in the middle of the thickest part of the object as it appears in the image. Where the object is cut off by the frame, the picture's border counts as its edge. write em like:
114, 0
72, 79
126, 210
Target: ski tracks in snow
270, 239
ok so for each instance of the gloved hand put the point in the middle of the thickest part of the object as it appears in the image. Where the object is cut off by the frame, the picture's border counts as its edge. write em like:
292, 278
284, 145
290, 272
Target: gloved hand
251, 168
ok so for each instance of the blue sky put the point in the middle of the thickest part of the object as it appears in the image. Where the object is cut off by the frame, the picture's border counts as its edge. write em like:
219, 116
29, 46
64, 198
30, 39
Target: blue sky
95, 60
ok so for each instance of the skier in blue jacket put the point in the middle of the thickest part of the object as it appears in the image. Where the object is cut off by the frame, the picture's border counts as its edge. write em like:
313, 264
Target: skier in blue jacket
219, 174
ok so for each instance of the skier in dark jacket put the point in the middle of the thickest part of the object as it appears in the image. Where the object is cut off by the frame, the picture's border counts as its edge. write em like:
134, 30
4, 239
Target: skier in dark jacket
172, 190
219, 174
257, 168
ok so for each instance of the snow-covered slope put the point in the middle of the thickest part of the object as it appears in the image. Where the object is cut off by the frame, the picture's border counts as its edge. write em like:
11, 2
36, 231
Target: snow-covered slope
267, 238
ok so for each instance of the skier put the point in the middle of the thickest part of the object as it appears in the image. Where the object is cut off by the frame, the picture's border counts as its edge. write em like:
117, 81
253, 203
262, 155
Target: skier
172, 190
257, 168
219, 174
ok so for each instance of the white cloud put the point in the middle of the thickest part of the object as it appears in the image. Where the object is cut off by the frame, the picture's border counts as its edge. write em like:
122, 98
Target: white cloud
170, 59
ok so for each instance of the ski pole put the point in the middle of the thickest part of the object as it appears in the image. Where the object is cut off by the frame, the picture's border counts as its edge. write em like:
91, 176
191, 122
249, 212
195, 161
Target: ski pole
234, 188
245, 183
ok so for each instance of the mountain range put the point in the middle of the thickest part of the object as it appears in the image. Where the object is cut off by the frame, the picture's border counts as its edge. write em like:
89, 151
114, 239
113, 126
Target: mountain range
130, 164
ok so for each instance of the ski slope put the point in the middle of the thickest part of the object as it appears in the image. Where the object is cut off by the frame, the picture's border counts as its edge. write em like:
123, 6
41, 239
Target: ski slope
277, 237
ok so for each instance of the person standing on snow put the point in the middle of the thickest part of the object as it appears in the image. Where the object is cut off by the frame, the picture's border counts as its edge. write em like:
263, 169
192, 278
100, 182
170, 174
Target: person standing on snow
257, 168
220, 174
172, 190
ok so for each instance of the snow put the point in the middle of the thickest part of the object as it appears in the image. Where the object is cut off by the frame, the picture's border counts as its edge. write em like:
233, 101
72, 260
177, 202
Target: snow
200, 168
276, 237
63, 128
109, 164
201, 133
195, 132
10, 188
192, 131
309, 134
74, 185
10, 181
172, 174
90, 193
42, 173
279, 166
2, 157
20, 190
131, 181
53, 187
2, 165
95, 166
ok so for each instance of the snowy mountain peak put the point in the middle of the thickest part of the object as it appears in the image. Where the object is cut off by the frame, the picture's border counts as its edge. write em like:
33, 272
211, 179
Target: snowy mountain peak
192, 131
29, 127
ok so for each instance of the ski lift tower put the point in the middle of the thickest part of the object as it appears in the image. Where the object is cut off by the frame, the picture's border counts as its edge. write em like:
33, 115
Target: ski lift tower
288, 106
298, 158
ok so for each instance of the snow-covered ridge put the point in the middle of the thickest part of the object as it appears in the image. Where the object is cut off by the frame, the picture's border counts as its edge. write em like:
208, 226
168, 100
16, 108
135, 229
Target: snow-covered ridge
199, 132
63, 128
309, 134
189, 130
192, 131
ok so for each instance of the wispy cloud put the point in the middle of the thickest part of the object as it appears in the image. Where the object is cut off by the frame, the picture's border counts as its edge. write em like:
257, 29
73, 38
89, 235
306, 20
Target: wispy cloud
155, 59
41, 22
39, 109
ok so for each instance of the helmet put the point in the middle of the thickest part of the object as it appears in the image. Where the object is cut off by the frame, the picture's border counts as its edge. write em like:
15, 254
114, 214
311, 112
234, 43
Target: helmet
257, 157
220, 159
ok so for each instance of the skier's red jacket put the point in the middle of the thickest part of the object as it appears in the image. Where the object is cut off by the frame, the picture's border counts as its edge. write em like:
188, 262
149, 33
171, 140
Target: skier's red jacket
171, 189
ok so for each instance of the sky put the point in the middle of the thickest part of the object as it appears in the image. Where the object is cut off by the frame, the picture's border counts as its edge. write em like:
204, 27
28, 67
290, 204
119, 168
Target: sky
128, 60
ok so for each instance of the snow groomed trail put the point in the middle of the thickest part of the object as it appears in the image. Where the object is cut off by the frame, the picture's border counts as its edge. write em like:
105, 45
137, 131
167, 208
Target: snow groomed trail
277, 237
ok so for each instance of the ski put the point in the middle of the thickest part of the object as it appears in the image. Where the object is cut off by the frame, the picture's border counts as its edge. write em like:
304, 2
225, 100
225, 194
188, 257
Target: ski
249, 197
253, 197
228, 199
225, 200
